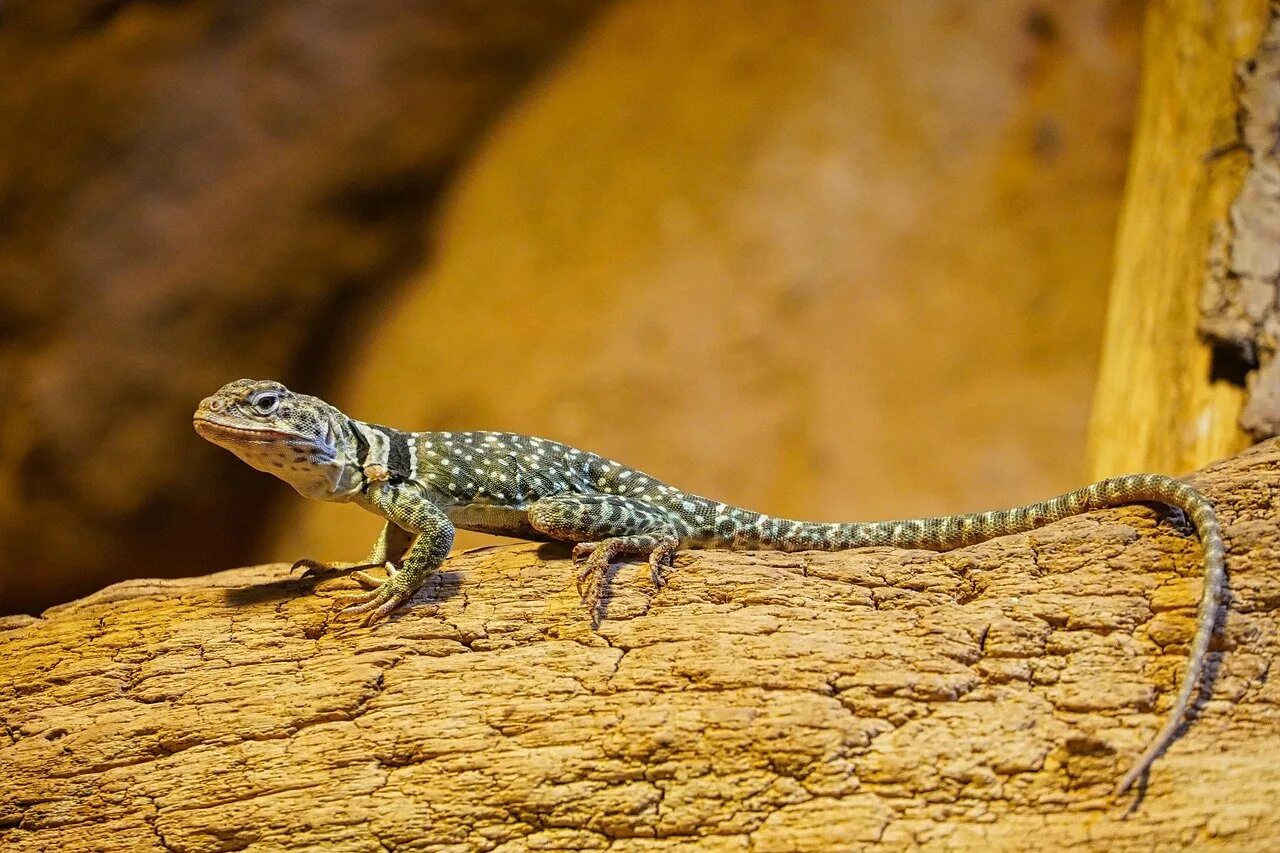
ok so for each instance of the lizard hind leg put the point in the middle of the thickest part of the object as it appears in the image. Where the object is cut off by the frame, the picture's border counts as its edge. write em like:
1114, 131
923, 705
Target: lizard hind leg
603, 527
596, 557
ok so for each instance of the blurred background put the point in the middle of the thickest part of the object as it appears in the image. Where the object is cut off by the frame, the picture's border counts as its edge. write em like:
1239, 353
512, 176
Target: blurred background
828, 260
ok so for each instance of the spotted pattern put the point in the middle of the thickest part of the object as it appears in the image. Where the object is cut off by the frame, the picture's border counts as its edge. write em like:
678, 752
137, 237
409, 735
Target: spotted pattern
501, 482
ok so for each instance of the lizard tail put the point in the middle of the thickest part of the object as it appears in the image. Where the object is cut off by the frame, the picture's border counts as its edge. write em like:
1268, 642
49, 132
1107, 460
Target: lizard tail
943, 533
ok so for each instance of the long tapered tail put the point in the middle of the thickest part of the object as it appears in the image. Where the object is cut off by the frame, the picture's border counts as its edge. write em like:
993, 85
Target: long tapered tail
943, 533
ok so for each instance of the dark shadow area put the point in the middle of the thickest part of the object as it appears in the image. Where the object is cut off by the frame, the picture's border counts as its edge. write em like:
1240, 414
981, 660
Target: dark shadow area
1230, 364
441, 587
554, 551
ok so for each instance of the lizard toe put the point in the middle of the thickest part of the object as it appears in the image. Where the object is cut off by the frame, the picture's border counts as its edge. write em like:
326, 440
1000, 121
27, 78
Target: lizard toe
591, 587
658, 573
309, 566
368, 581
315, 567
661, 560
353, 603
587, 570
383, 610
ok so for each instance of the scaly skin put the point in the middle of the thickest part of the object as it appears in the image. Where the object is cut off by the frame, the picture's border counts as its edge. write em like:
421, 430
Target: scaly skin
426, 484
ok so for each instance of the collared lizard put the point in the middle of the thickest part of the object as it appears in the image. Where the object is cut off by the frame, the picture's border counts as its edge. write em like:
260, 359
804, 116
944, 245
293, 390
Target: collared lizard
426, 484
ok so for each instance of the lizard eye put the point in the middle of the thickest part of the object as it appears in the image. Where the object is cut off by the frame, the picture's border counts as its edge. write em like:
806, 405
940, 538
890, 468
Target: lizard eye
265, 403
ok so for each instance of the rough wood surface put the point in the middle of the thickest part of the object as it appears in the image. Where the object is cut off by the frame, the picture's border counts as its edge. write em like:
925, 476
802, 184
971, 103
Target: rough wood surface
986, 697
1157, 406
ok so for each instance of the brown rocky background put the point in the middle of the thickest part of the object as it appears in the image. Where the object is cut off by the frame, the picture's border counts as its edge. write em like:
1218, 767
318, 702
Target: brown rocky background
830, 261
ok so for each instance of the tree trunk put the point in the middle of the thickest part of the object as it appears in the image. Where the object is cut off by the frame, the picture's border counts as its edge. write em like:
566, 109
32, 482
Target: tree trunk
990, 696
1159, 405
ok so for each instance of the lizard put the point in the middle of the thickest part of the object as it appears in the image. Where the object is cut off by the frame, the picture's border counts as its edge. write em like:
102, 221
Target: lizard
427, 484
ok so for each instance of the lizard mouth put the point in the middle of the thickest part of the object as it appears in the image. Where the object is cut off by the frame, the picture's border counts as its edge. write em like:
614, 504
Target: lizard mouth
212, 429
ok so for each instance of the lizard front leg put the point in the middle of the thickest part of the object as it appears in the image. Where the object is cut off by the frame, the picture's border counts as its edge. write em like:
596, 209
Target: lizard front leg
405, 507
389, 551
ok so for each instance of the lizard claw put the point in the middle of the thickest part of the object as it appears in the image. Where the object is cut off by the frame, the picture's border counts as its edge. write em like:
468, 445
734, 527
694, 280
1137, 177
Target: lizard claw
309, 565
582, 550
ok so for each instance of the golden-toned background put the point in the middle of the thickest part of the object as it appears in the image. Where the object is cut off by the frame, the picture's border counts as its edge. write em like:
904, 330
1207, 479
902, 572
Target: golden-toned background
825, 260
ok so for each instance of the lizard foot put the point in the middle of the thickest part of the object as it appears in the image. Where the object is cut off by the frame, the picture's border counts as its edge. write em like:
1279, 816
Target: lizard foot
381, 599
661, 560
592, 577
591, 580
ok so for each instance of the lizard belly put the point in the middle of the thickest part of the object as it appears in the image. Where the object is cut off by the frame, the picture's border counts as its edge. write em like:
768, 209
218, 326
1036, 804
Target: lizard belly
491, 518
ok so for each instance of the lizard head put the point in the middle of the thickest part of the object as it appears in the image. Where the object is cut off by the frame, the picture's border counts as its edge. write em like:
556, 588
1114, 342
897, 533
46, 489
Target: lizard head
294, 436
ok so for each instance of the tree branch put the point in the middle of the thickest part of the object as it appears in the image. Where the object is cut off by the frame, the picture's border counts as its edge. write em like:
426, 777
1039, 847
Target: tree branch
981, 697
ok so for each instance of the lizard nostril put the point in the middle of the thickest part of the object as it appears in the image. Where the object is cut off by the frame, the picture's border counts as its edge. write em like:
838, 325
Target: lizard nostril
215, 405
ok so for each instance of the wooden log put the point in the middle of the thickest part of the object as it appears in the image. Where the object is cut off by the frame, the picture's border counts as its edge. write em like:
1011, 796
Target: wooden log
1158, 405
989, 697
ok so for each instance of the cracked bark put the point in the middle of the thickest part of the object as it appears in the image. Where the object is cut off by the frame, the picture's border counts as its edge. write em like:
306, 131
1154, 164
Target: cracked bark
987, 696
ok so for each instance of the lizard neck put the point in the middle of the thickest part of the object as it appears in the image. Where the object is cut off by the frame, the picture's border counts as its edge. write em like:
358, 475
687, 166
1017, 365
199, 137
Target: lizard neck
373, 453
328, 476
362, 453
